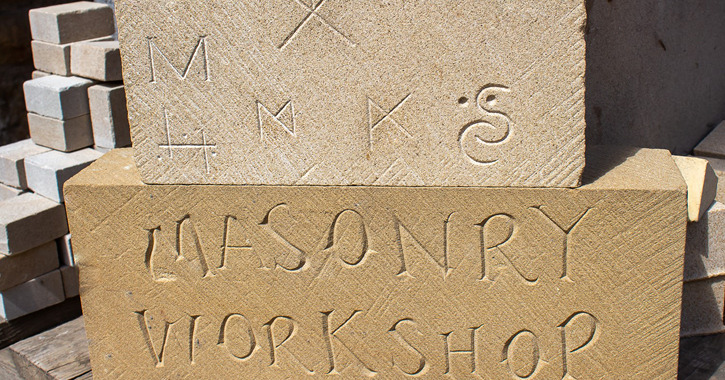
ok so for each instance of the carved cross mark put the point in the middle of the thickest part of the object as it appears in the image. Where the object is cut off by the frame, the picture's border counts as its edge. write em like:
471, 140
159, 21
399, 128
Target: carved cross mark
313, 13
206, 148
377, 115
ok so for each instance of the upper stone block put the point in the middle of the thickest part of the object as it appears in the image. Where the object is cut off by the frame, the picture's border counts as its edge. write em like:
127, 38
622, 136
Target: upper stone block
66, 23
338, 92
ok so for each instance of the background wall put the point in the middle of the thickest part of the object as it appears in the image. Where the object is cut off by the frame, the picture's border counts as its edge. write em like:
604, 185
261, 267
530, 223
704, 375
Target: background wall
655, 72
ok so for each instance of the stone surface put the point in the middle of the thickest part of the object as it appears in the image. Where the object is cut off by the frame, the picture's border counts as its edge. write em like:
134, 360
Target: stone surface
701, 185
718, 165
7, 192
705, 249
109, 115
63, 135
70, 281
703, 303
99, 60
57, 97
23, 267
62, 24
654, 72
34, 295
714, 144
51, 58
48, 172
362, 93
273, 282
28, 221
65, 250
12, 162
39, 74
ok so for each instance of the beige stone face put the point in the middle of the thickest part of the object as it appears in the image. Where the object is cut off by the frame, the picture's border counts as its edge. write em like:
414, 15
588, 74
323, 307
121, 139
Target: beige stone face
701, 185
277, 282
356, 92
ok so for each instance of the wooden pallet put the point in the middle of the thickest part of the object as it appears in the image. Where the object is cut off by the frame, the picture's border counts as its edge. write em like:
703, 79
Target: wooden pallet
35, 323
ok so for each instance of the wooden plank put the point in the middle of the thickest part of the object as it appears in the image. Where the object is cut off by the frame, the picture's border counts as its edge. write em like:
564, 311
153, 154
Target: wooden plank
57, 354
7, 366
29, 325
702, 358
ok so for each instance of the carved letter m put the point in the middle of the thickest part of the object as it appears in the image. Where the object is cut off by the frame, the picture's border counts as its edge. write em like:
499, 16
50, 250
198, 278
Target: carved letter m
200, 52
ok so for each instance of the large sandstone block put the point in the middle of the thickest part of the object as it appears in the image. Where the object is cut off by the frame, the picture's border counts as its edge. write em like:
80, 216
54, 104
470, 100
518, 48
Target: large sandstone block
356, 92
66, 23
270, 282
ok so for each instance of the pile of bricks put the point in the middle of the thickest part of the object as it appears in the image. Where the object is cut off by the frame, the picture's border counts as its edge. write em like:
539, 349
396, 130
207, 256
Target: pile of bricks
703, 301
76, 112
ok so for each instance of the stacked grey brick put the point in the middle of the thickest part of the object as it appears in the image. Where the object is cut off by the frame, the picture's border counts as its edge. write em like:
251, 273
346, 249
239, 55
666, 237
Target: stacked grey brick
75, 93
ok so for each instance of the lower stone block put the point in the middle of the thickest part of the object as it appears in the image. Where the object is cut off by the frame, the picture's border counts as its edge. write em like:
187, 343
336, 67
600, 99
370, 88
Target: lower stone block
269, 282
25, 266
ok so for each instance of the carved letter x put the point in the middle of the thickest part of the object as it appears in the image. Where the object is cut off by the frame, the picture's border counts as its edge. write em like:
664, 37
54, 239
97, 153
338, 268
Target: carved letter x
313, 13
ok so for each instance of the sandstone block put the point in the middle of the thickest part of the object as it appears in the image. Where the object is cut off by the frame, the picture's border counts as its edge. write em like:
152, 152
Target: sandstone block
12, 162
279, 282
48, 172
66, 23
52, 58
701, 185
703, 303
23, 267
714, 144
7, 192
57, 97
109, 115
63, 135
705, 249
356, 93
39, 74
718, 165
28, 221
70, 281
65, 251
99, 60
32, 296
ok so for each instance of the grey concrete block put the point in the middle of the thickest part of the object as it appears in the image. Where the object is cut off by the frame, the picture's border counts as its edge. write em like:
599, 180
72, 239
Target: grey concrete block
57, 97
703, 302
714, 144
12, 162
32, 296
705, 248
100, 60
25, 266
37, 74
70, 281
66, 23
65, 251
63, 135
8, 192
28, 221
52, 58
47, 172
109, 115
